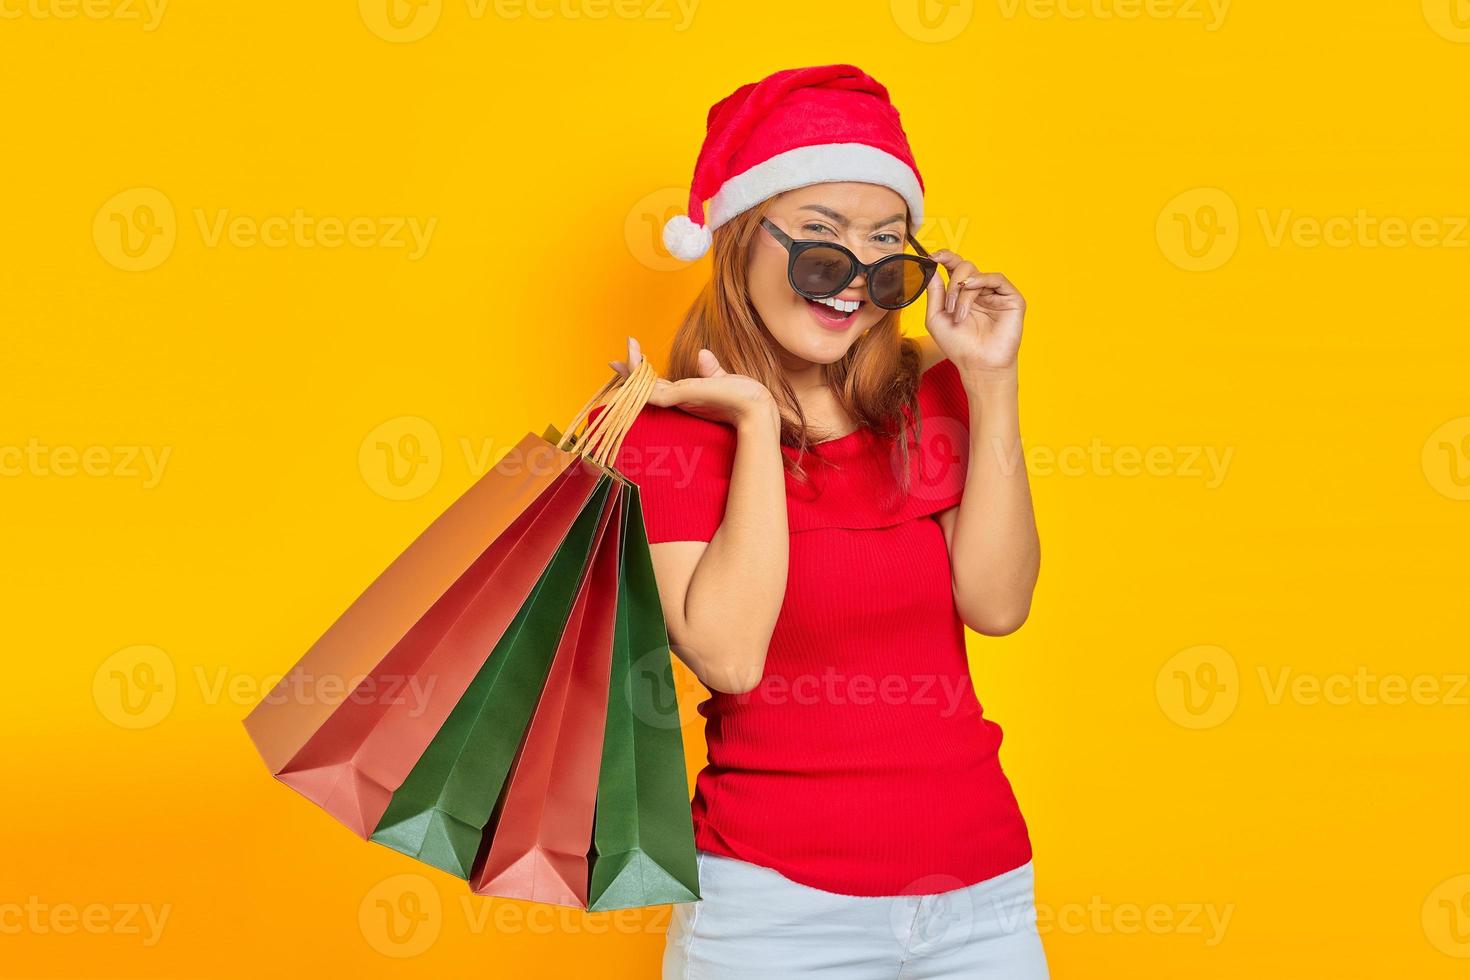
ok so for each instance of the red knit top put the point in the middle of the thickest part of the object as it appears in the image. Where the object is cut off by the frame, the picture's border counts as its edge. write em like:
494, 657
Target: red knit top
862, 763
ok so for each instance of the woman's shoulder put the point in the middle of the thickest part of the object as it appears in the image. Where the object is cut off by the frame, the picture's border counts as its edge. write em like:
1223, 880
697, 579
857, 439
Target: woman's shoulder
660, 436
658, 421
681, 464
929, 352
942, 392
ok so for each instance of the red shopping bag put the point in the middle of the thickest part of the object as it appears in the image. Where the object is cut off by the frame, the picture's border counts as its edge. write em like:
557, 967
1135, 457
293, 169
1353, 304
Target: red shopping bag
386, 674
362, 636
352, 765
537, 846
515, 613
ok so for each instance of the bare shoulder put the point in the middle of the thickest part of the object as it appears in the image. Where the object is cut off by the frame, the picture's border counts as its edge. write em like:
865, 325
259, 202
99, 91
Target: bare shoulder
929, 352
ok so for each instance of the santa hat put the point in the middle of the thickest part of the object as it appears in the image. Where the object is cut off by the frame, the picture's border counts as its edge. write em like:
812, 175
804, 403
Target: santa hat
797, 127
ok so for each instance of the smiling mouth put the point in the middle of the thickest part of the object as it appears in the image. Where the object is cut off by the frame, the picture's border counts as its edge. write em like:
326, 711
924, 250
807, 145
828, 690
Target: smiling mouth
835, 314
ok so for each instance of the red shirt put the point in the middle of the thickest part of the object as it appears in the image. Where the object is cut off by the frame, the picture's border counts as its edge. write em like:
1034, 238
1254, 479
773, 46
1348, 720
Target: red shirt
862, 763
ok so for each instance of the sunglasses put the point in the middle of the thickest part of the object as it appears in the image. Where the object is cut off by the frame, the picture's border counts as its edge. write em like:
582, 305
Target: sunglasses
821, 270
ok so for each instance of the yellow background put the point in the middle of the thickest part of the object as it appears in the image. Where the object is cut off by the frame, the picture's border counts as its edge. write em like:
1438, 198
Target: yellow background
1150, 175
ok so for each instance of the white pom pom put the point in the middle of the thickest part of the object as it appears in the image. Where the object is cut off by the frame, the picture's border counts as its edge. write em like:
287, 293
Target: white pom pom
684, 239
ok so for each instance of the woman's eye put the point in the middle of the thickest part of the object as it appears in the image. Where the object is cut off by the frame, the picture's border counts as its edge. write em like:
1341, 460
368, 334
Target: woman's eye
886, 238
817, 229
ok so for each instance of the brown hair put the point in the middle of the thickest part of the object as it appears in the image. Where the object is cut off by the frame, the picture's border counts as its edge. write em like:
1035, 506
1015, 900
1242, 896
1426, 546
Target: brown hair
876, 382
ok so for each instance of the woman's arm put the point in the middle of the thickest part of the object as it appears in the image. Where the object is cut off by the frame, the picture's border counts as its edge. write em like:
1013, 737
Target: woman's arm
994, 549
721, 597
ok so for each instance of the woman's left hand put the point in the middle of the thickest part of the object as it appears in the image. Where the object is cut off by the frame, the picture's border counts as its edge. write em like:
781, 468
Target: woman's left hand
976, 319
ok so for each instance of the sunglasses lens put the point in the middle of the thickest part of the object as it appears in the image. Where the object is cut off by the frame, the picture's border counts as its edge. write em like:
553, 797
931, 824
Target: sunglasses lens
898, 282
820, 272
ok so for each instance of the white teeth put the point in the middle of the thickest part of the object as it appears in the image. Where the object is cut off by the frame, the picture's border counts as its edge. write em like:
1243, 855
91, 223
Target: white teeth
841, 305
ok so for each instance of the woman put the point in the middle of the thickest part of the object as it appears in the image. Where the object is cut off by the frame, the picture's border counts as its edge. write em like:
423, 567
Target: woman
829, 505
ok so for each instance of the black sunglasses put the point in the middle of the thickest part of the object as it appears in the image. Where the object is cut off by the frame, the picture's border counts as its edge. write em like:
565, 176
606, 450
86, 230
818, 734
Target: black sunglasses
821, 270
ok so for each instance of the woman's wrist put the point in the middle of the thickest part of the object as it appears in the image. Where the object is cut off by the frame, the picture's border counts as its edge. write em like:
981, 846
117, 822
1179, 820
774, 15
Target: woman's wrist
988, 382
760, 418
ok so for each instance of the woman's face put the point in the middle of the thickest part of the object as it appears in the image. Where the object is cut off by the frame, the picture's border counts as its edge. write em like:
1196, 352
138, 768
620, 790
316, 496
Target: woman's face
870, 220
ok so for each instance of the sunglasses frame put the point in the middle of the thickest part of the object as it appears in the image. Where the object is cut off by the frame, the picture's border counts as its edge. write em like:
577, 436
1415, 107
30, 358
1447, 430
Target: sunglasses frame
796, 246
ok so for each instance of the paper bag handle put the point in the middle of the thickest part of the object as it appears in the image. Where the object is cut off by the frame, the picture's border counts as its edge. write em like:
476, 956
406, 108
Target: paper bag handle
624, 398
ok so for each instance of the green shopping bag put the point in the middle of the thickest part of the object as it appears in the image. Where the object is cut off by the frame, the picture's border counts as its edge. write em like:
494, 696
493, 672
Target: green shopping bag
643, 838
440, 812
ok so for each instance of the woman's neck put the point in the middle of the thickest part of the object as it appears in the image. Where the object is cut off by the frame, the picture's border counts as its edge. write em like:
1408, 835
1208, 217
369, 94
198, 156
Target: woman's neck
808, 382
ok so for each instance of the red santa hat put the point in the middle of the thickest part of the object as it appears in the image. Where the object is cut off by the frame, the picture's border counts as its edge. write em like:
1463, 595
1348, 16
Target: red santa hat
793, 128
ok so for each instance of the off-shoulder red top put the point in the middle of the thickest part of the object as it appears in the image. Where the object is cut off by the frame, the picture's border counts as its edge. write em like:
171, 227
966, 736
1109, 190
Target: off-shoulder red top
862, 763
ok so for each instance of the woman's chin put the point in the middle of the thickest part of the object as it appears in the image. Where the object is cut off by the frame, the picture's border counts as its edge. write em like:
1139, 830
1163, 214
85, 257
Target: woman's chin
816, 346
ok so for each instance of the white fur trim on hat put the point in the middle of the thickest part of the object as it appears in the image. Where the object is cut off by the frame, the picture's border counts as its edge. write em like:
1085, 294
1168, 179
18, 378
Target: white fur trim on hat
684, 239
820, 164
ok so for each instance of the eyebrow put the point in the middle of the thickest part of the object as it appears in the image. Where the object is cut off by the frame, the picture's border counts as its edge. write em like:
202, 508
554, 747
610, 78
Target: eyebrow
842, 219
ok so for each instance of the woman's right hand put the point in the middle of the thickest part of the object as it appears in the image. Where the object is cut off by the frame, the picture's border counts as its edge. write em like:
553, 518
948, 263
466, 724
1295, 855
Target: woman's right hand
715, 394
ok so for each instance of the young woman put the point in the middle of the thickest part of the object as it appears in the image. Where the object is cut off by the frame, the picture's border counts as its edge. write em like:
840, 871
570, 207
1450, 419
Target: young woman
829, 505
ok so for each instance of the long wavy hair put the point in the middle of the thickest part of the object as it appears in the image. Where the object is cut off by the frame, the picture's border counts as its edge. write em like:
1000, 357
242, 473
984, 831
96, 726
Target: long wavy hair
876, 382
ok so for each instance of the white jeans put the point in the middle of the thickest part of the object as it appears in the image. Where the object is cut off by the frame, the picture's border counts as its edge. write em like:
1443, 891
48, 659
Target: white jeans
753, 923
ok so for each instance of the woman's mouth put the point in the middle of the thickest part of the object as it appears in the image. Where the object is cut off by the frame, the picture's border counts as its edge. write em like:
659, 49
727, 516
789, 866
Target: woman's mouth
834, 314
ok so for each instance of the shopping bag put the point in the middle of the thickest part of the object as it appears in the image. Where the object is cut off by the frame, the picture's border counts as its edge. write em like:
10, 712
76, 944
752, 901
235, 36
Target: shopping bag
370, 747
438, 815
346, 724
366, 744
643, 837
530, 611
281, 725
538, 849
